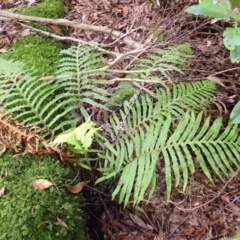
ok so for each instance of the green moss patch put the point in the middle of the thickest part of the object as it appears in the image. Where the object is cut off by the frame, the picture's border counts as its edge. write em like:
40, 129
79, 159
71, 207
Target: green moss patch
39, 53
123, 93
27, 213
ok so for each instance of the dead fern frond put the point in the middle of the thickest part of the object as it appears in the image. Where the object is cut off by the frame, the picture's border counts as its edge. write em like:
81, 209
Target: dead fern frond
18, 137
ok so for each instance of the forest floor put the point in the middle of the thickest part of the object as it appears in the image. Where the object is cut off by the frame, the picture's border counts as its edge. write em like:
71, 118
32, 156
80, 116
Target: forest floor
204, 211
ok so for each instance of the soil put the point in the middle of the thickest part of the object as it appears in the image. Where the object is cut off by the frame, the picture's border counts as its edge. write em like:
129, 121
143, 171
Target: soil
204, 211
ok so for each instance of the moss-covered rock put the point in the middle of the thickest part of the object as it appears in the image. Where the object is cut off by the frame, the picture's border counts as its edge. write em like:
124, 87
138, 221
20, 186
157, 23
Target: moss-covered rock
39, 53
27, 213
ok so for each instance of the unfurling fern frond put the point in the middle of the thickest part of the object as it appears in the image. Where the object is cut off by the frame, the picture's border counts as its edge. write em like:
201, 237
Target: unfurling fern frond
164, 60
168, 128
81, 77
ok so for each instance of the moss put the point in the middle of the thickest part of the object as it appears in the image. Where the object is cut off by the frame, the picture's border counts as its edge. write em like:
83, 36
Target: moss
27, 213
39, 53
47, 8
124, 92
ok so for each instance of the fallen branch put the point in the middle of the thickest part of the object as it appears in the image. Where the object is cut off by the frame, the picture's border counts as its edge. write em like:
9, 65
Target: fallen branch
64, 22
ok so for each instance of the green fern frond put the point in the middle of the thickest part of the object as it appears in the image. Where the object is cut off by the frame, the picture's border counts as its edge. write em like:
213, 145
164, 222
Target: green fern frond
138, 135
79, 81
31, 101
176, 99
164, 60
135, 156
51, 104
212, 147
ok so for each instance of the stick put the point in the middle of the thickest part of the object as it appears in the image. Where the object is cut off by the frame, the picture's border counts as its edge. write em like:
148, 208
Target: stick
63, 22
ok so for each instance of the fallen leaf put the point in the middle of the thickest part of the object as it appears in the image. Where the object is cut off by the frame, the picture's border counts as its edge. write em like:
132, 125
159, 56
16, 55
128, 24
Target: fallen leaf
41, 184
235, 209
25, 32
215, 79
2, 191
77, 188
137, 220
125, 11
56, 29
62, 223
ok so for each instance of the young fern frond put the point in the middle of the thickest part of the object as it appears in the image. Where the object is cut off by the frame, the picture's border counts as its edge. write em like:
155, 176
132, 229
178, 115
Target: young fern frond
80, 78
168, 128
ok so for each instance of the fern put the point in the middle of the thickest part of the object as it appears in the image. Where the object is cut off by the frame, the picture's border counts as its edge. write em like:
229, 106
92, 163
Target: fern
164, 60
79, 66
51, 104
176, 99
32, 101
148, 131
141, 132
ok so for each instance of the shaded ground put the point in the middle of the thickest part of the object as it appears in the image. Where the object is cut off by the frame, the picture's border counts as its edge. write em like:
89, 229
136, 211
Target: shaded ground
204, 211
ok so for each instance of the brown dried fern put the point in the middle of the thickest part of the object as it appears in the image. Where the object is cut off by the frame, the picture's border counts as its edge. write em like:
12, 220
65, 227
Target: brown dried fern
18, 137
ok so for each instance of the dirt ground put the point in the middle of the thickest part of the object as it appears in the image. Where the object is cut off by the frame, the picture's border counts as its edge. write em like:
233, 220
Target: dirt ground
205, 211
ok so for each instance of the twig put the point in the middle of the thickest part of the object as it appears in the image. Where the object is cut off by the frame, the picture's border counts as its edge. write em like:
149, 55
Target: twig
95, 45
227, 70
145, 89
63, 22
138, 80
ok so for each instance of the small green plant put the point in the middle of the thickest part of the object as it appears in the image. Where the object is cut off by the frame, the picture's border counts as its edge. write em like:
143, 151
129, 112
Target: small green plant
28, 213
225, 10
79, 139
170, 128
135, 136
235, 114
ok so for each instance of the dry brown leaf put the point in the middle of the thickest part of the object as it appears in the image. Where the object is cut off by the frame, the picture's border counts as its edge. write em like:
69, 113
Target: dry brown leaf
137, 220
62, 223
41, 184
235, 209
2, 191
77, 188
56, 29
215, 79
125, 11
25, 32
8, 1
176, 218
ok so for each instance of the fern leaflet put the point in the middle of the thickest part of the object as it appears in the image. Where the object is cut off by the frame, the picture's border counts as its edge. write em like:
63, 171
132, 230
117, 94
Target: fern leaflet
84, 87
164, 60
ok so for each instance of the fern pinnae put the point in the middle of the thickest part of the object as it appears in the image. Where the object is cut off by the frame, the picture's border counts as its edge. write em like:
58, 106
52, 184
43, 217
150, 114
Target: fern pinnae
83, 86
147, 161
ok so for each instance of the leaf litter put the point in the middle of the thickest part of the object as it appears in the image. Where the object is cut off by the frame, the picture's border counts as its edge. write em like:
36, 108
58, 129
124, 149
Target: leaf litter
205, 211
